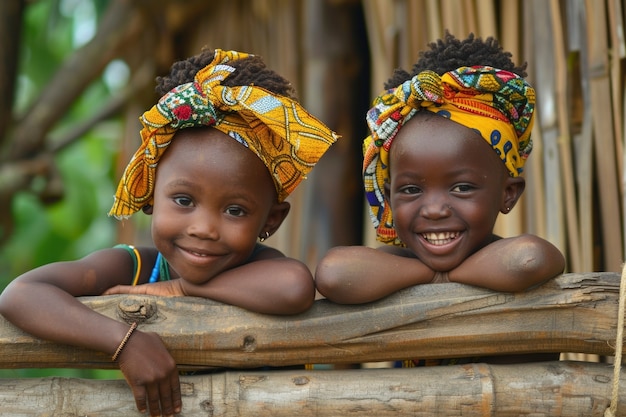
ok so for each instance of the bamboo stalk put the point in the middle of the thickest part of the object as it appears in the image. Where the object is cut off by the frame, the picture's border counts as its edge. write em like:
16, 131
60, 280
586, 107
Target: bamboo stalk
452, 13
583, 140
606, 166
618, 53
564, 139
434, 20
486, 19
513, 223
547, 119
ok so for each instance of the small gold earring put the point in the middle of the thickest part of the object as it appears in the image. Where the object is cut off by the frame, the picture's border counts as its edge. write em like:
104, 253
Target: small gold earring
262, 238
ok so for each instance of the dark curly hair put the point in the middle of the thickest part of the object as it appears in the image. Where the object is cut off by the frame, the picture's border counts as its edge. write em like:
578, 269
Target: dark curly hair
249, 71
450, 53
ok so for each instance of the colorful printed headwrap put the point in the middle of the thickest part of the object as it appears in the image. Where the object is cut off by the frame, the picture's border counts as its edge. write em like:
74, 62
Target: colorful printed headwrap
277, 129
497, 104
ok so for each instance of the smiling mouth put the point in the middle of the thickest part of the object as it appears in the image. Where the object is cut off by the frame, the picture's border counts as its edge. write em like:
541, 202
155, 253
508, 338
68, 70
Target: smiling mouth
196, 254
202, 255
440, 239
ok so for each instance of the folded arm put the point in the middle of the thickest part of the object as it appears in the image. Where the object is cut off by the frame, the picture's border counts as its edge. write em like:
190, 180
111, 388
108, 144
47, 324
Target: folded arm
358, 274
270, 283
511, 264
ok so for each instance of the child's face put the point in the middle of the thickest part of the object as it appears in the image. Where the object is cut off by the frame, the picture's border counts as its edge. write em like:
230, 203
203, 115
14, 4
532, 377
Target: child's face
447, 188
212, 199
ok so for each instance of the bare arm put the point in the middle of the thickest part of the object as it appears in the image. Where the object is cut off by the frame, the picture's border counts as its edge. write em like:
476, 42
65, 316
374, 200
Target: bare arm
359, 274
511, 264
271, 284
42, 302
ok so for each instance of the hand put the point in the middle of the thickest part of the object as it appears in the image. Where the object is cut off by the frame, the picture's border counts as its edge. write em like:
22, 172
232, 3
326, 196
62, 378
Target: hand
171, 288
151, 373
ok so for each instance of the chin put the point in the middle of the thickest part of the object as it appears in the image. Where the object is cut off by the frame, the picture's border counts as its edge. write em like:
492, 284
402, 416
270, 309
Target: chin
443, 266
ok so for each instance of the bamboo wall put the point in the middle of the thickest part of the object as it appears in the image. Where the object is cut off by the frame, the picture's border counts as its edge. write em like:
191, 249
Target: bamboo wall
575, 51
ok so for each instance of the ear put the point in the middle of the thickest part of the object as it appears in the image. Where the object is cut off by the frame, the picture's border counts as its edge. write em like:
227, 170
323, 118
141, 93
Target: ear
275, 218
513, 189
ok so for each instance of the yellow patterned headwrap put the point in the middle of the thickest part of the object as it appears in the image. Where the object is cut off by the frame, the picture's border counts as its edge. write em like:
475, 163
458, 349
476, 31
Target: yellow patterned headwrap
277, 129
497, 104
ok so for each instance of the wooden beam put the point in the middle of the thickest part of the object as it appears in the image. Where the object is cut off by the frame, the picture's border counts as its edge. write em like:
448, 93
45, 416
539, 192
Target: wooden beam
572, 313
564, 389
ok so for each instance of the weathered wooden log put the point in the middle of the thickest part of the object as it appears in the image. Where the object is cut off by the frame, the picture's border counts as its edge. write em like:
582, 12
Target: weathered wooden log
567, 389
572, 313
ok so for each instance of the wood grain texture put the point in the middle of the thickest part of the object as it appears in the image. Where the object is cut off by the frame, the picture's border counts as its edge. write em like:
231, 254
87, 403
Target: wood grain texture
564, 389
572, 313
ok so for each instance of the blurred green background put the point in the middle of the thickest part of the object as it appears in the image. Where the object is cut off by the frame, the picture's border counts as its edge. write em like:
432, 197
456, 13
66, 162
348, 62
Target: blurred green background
76, 224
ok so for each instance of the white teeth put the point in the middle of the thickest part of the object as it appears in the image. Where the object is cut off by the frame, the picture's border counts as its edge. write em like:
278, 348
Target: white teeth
441, 238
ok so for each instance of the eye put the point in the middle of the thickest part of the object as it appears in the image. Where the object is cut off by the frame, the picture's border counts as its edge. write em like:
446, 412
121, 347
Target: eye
462, 188
235, 211
183, 201
409, 189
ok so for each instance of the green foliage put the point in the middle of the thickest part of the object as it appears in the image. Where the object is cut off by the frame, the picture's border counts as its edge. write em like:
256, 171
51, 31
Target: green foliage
67, 373
74, 226
77, 224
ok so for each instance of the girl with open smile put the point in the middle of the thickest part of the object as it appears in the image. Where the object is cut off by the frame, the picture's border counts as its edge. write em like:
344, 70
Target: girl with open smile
445, 156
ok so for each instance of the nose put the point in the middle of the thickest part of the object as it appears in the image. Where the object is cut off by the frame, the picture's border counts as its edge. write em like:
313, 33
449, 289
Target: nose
204, 225
435, 208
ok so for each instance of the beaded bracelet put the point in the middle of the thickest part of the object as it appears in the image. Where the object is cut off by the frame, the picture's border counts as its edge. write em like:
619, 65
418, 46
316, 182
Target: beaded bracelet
124, 341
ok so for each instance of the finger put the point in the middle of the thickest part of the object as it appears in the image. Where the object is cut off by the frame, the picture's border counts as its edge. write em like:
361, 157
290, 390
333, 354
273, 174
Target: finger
170, 396
154, 400
165, 397
177, 400
139, 392
122, 289
110, 291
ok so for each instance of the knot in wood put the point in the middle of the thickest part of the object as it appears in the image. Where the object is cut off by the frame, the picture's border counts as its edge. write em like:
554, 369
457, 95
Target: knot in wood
207, 406
300, 380
137, 310
249, 343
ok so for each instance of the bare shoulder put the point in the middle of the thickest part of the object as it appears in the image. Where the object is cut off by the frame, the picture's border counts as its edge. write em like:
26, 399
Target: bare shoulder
262, 252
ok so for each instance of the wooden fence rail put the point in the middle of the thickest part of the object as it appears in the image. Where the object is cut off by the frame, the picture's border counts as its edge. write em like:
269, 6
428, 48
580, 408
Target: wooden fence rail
566, 389
573, 313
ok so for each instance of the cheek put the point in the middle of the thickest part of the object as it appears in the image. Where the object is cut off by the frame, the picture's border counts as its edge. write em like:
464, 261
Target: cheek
483, 218
161, 224
403, 213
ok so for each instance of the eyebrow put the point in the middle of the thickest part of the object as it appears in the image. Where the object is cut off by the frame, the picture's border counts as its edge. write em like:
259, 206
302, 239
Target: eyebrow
178, 182
234, 194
